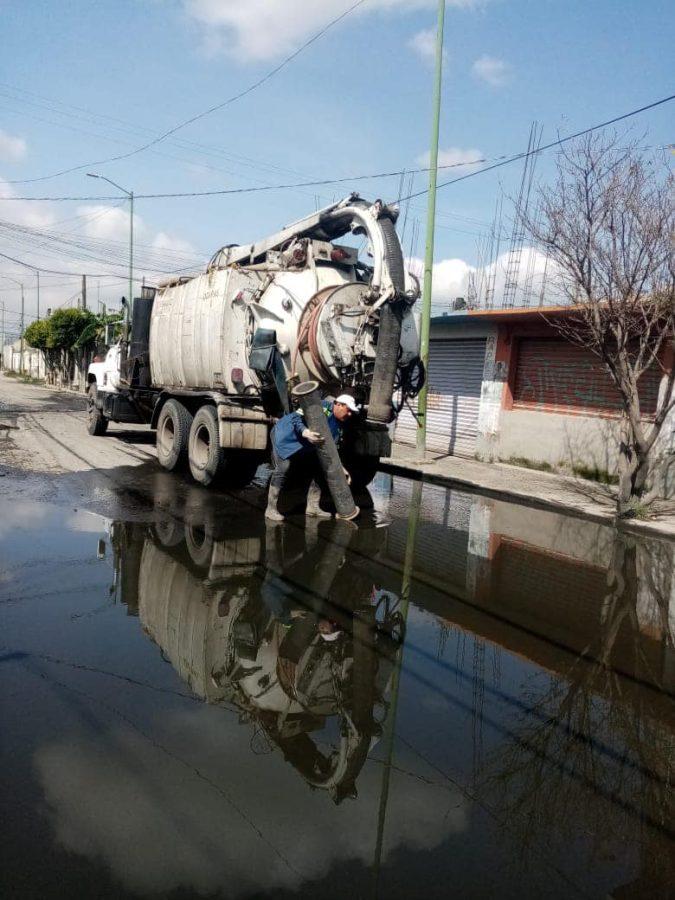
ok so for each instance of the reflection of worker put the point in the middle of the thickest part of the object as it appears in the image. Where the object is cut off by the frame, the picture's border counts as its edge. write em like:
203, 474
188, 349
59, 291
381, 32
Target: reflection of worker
294, 453
300, 636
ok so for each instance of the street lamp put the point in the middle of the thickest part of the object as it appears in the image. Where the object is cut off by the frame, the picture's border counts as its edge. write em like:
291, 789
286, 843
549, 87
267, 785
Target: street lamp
130, 195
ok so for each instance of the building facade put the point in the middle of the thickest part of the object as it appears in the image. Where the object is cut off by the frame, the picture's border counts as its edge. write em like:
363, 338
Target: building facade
504, 385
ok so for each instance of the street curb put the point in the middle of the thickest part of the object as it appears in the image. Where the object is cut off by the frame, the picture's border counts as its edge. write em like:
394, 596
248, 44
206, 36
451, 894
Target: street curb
511, 495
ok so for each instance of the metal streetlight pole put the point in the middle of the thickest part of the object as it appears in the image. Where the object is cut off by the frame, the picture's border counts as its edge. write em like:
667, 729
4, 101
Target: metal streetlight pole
130, 195
431, 222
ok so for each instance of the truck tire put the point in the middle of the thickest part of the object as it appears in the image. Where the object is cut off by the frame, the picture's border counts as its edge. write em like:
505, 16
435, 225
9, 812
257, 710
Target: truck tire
97, 423
205, 455
168, 532
199, 545
173, 434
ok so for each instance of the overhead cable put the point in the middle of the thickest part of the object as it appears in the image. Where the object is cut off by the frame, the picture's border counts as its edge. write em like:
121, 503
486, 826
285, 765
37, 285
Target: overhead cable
233, 99
496, 162
558, 143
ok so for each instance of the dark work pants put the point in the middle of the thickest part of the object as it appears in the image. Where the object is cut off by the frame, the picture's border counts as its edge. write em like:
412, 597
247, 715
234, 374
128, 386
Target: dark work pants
301, 468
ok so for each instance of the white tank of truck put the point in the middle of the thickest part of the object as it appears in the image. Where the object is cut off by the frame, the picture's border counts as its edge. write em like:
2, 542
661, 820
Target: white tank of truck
227, 345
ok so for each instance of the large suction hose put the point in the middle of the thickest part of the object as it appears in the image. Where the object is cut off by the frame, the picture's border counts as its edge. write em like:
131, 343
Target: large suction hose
308, 393
380, 407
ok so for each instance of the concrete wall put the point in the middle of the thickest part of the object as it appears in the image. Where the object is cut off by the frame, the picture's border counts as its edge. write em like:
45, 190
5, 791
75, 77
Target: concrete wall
558, 439
569, 442
33, 361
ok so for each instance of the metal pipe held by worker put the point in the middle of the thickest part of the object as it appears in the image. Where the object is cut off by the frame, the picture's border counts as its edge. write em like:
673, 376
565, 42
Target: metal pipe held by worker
308, 394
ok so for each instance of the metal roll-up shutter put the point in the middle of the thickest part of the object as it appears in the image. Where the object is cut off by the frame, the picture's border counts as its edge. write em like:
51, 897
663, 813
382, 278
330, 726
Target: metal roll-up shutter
442, 540
453, 402
554, 375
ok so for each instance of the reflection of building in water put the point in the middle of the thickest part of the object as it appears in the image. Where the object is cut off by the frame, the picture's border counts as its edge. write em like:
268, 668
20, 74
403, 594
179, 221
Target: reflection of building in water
592, 748
263, 625
545, 575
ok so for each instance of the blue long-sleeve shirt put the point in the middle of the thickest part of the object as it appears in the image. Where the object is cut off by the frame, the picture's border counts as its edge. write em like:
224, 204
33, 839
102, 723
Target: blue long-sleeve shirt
287, 438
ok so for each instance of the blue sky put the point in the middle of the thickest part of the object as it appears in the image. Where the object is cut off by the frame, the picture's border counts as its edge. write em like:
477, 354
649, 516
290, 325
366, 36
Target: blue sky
81, 82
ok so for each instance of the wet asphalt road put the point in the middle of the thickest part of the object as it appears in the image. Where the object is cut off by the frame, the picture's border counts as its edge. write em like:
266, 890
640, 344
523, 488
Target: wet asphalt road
460, 697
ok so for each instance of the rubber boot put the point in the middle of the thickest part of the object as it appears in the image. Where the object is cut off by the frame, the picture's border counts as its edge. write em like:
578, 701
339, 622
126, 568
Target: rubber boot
272, 512
313, 507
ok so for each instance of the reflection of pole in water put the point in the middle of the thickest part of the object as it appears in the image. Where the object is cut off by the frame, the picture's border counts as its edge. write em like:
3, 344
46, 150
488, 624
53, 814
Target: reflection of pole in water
390, 726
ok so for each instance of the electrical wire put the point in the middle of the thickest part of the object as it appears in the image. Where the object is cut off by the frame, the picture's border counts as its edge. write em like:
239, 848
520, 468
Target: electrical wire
549, 146
233, 99
497, 162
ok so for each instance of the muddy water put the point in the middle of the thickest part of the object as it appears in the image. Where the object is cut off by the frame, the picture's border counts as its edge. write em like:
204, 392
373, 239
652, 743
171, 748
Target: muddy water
472, 701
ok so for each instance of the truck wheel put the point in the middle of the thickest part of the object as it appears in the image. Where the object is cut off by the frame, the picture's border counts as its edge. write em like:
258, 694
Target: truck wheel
205, 454
168, 532
199, 545
97, 423
173, 433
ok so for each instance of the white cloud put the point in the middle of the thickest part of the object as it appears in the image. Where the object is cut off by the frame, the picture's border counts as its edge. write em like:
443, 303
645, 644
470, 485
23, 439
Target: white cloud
454, 156
451, 279
267, 29
109, 222
491, 70
97, 227
162, 824
12, 148
164, 241
20, 212
424, 45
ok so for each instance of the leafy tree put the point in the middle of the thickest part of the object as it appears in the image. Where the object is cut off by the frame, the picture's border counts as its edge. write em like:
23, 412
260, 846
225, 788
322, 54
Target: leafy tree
66, 327
37, 334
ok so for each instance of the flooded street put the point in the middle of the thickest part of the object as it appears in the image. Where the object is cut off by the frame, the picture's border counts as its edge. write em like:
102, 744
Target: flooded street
474, 701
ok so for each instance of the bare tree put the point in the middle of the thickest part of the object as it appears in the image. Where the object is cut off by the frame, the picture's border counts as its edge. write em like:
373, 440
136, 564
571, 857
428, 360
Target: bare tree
608, 224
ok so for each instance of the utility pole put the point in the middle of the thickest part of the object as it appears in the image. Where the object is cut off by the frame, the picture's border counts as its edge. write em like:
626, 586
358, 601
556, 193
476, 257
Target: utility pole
37, 272
84, 292
131, 253
130, 195
431, 222
2, 350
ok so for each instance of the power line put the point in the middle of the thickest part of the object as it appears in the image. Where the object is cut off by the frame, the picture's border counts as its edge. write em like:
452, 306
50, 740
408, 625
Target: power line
252, 87
496, 161
557, 143
35, 268
269, 187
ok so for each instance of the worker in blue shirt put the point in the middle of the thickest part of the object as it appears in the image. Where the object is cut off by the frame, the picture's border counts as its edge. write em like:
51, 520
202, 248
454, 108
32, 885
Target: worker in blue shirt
293, 448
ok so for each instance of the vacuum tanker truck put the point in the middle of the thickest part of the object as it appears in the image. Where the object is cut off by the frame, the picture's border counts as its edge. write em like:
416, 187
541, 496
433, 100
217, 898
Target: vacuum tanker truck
209, 361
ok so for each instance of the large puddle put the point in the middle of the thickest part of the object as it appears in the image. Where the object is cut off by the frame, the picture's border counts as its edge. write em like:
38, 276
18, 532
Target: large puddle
476, 701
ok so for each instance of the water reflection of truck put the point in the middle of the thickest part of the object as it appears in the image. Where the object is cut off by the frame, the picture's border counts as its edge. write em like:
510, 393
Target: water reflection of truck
212, 607
210, 359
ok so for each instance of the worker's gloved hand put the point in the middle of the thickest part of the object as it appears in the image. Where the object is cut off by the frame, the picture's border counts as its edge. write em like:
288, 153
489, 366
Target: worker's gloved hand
347, 475
313, 437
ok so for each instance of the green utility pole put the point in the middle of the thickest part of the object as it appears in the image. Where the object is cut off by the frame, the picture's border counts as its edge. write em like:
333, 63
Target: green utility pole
431, 222
131, 254
390, 726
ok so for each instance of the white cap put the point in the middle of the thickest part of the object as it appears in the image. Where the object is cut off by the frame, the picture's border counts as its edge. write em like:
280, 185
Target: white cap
331, 636
348, 401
